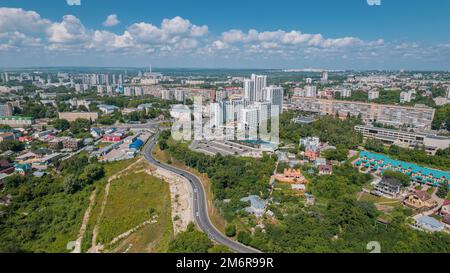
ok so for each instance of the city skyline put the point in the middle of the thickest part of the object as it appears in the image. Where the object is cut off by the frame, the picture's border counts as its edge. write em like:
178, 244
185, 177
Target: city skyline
317, 34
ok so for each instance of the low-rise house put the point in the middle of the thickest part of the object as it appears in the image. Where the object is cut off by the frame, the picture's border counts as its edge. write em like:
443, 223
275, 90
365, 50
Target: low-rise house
7, 136
96, 133
325, 169
22, 169
72, 143
136, 145
388, 186
312, 153
446, 220
429, 224
39, 174
320, 161
6, 200
257, 205
114, 137
445, 210
55, 144
107, 109
310, 199
43, 162
420, 200
298, 187
292, 176
6, 167
3, 176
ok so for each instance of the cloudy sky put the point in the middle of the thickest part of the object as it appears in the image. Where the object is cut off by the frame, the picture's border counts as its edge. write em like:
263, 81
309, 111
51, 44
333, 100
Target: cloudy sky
332, 34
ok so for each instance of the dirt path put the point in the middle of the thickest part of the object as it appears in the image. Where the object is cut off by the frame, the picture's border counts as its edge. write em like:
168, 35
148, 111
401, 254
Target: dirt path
124, 235
180, 196
86, 217
96, 248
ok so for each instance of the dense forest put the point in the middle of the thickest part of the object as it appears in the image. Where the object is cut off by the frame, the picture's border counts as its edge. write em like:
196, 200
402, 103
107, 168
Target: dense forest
329, 129
46, 212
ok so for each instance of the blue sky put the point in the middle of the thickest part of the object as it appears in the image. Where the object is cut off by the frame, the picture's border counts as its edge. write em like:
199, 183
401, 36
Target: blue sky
339, 34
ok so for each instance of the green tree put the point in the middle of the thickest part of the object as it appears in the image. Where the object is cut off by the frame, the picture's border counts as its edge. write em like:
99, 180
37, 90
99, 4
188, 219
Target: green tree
403, 178
11, 145
190, 241
230, 230
61, 124
244, 237
72, 184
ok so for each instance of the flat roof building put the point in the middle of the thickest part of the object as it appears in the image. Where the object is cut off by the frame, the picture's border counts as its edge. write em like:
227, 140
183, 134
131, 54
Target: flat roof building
414, 117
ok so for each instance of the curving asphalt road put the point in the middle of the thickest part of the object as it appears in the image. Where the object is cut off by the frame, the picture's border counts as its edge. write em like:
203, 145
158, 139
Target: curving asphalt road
200, 204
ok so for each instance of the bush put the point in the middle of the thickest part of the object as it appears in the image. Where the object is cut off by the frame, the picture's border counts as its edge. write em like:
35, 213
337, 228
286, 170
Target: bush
230, 230
244, 237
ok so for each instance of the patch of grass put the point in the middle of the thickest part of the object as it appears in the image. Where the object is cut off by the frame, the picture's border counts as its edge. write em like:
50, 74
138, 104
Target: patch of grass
130, 199
110, 170
365, 197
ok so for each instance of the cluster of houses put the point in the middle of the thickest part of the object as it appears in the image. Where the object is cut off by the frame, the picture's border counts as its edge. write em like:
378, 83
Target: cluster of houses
431, 216
122, 145
439, 223
377, 163
313, 149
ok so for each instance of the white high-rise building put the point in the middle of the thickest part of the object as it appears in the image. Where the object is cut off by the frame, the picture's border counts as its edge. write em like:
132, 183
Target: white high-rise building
138, 91
232, 109
249, 90
260, 83
99, 89
167, 94
310, 91
109, 89
448, 92
264, 110
253, 88
128, 91
407, 96
324, 79
179, 95
78, 88
249, 119
216, 115
374, 94
275, 95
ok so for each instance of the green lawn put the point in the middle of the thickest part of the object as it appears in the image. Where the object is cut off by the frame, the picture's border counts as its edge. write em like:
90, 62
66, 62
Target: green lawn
129, 201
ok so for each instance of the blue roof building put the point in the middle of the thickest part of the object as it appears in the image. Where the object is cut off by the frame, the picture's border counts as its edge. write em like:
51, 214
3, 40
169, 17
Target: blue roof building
382, 163
137, 144
429, 224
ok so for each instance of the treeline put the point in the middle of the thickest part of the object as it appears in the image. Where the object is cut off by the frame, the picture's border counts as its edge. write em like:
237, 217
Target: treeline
232, 178
330, 129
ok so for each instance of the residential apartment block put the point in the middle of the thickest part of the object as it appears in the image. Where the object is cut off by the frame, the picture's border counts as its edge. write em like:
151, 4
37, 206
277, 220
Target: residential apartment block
415, 117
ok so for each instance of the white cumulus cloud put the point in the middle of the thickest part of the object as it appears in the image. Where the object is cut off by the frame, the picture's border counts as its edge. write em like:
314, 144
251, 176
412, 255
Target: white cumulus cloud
111, 20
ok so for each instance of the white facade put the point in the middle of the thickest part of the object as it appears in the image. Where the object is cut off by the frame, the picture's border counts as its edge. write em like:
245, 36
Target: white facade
249, 90
179, 95
275, 95
216, 115
407, 96
167, 94
374, 94
249, 119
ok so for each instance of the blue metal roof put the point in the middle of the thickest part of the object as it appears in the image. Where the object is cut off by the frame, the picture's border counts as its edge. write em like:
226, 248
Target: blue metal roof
405, 165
